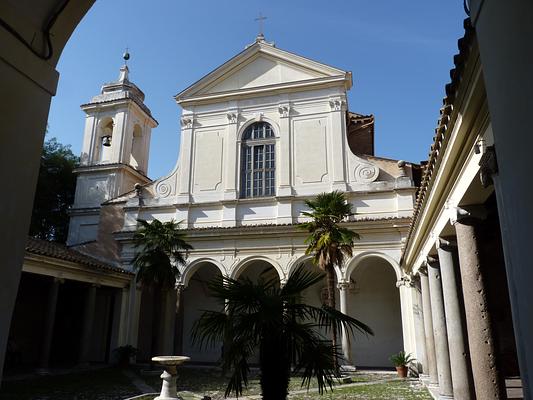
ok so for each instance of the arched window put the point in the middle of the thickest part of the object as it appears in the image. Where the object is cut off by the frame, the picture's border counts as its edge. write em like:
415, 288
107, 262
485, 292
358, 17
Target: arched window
258, 162
105, 140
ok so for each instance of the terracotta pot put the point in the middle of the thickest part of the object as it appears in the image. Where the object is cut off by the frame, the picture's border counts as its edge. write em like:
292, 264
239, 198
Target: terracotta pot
402, 371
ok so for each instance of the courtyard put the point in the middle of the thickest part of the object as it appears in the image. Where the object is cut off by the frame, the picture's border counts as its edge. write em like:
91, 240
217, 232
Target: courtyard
195, 383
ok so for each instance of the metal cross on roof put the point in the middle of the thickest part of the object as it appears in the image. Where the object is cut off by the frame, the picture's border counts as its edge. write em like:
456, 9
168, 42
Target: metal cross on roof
260, 19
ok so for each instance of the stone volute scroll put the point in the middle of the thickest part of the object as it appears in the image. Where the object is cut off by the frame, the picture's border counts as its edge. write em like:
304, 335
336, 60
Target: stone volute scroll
365, 172
166, 187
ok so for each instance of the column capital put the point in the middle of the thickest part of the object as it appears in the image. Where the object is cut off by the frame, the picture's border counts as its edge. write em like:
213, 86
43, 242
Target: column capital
345, 285
187, 122
446, 243
233, 117
404, 281
432, 261
284, 110
468, 214
488, 166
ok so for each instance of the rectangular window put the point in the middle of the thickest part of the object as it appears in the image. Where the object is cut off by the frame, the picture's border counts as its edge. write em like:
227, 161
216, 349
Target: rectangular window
258, 169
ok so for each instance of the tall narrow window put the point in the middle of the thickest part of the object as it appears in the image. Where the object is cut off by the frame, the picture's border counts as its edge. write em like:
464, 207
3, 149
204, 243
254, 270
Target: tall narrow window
258, 164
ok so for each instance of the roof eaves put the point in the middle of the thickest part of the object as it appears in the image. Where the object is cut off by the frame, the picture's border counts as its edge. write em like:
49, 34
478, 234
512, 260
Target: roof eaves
441, 131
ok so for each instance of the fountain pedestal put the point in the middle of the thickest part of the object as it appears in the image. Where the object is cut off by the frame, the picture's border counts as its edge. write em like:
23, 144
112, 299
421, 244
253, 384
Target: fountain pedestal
169, 375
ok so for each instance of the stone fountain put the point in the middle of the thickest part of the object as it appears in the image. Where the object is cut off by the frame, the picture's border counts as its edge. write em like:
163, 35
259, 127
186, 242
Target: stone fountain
169, 375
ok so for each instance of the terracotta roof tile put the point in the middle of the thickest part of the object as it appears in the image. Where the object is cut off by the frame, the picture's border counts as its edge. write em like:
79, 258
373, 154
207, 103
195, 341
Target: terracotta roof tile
441, 131
62, 252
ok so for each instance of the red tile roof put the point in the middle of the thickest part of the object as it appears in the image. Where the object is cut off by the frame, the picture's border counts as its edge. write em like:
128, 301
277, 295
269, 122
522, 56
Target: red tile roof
62, 252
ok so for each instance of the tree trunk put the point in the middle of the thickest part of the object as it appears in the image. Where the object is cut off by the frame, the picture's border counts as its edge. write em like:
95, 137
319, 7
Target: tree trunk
330, 276
275, 366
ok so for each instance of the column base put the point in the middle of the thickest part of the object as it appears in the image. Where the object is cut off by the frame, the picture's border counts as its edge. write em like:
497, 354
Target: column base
348, 368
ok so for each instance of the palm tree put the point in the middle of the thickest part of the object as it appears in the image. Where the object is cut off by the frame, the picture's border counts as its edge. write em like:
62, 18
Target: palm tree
328, 242
272, 319
162, 248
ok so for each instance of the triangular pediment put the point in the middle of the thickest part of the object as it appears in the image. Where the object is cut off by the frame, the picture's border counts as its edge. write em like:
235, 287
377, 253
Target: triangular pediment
261, 65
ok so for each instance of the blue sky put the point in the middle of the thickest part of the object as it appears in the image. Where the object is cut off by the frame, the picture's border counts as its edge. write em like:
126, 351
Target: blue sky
400, 53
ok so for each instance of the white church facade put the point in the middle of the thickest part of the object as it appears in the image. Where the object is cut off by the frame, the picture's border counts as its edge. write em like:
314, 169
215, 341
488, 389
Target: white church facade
260, 134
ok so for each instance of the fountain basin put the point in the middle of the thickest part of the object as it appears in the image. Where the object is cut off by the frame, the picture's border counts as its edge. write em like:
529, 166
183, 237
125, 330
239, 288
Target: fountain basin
169, 363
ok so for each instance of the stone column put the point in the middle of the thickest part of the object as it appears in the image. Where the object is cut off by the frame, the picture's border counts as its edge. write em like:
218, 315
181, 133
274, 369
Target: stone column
455, 325
504, 31
418, 317
88, 319
439, 331
48, 331
180, 315
168, 322
344, 295
134, 307
431, 367
488, 382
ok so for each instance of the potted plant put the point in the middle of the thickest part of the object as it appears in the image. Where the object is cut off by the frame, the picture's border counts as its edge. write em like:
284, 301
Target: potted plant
401, 361
124, 354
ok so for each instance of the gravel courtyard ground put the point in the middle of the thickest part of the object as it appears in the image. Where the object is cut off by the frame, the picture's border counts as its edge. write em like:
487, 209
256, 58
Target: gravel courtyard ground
194, 383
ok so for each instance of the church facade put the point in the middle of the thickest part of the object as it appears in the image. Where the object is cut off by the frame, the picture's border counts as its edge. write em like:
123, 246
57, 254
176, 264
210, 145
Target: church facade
260, 134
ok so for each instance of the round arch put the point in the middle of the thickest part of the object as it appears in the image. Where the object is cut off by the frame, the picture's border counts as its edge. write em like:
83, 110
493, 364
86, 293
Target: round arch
356, 261
304, 258
241, 266
195, 265
245, 125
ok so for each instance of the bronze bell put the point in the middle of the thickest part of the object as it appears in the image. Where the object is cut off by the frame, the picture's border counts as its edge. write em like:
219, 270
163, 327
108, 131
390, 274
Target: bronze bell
106, 140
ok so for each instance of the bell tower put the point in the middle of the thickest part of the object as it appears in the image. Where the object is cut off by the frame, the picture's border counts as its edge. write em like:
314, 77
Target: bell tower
114, 156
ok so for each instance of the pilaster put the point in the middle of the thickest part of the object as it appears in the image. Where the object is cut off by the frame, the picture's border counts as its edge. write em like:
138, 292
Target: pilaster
186, 146
231, 155
337, 142
285, 150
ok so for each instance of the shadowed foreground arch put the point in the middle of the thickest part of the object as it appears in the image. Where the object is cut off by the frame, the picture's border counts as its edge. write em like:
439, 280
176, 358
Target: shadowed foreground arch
374, 299
194, 300
250, 263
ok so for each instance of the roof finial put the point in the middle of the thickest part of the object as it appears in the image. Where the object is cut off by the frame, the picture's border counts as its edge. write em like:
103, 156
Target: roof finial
126, 56
124, 70
260, 36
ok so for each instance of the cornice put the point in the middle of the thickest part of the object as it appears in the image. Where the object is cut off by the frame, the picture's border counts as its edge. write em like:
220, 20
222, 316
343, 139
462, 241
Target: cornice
112, 166
264, 90
50, 266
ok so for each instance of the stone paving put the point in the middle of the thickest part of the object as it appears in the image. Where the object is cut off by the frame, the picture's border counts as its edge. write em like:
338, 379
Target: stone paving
194, 384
